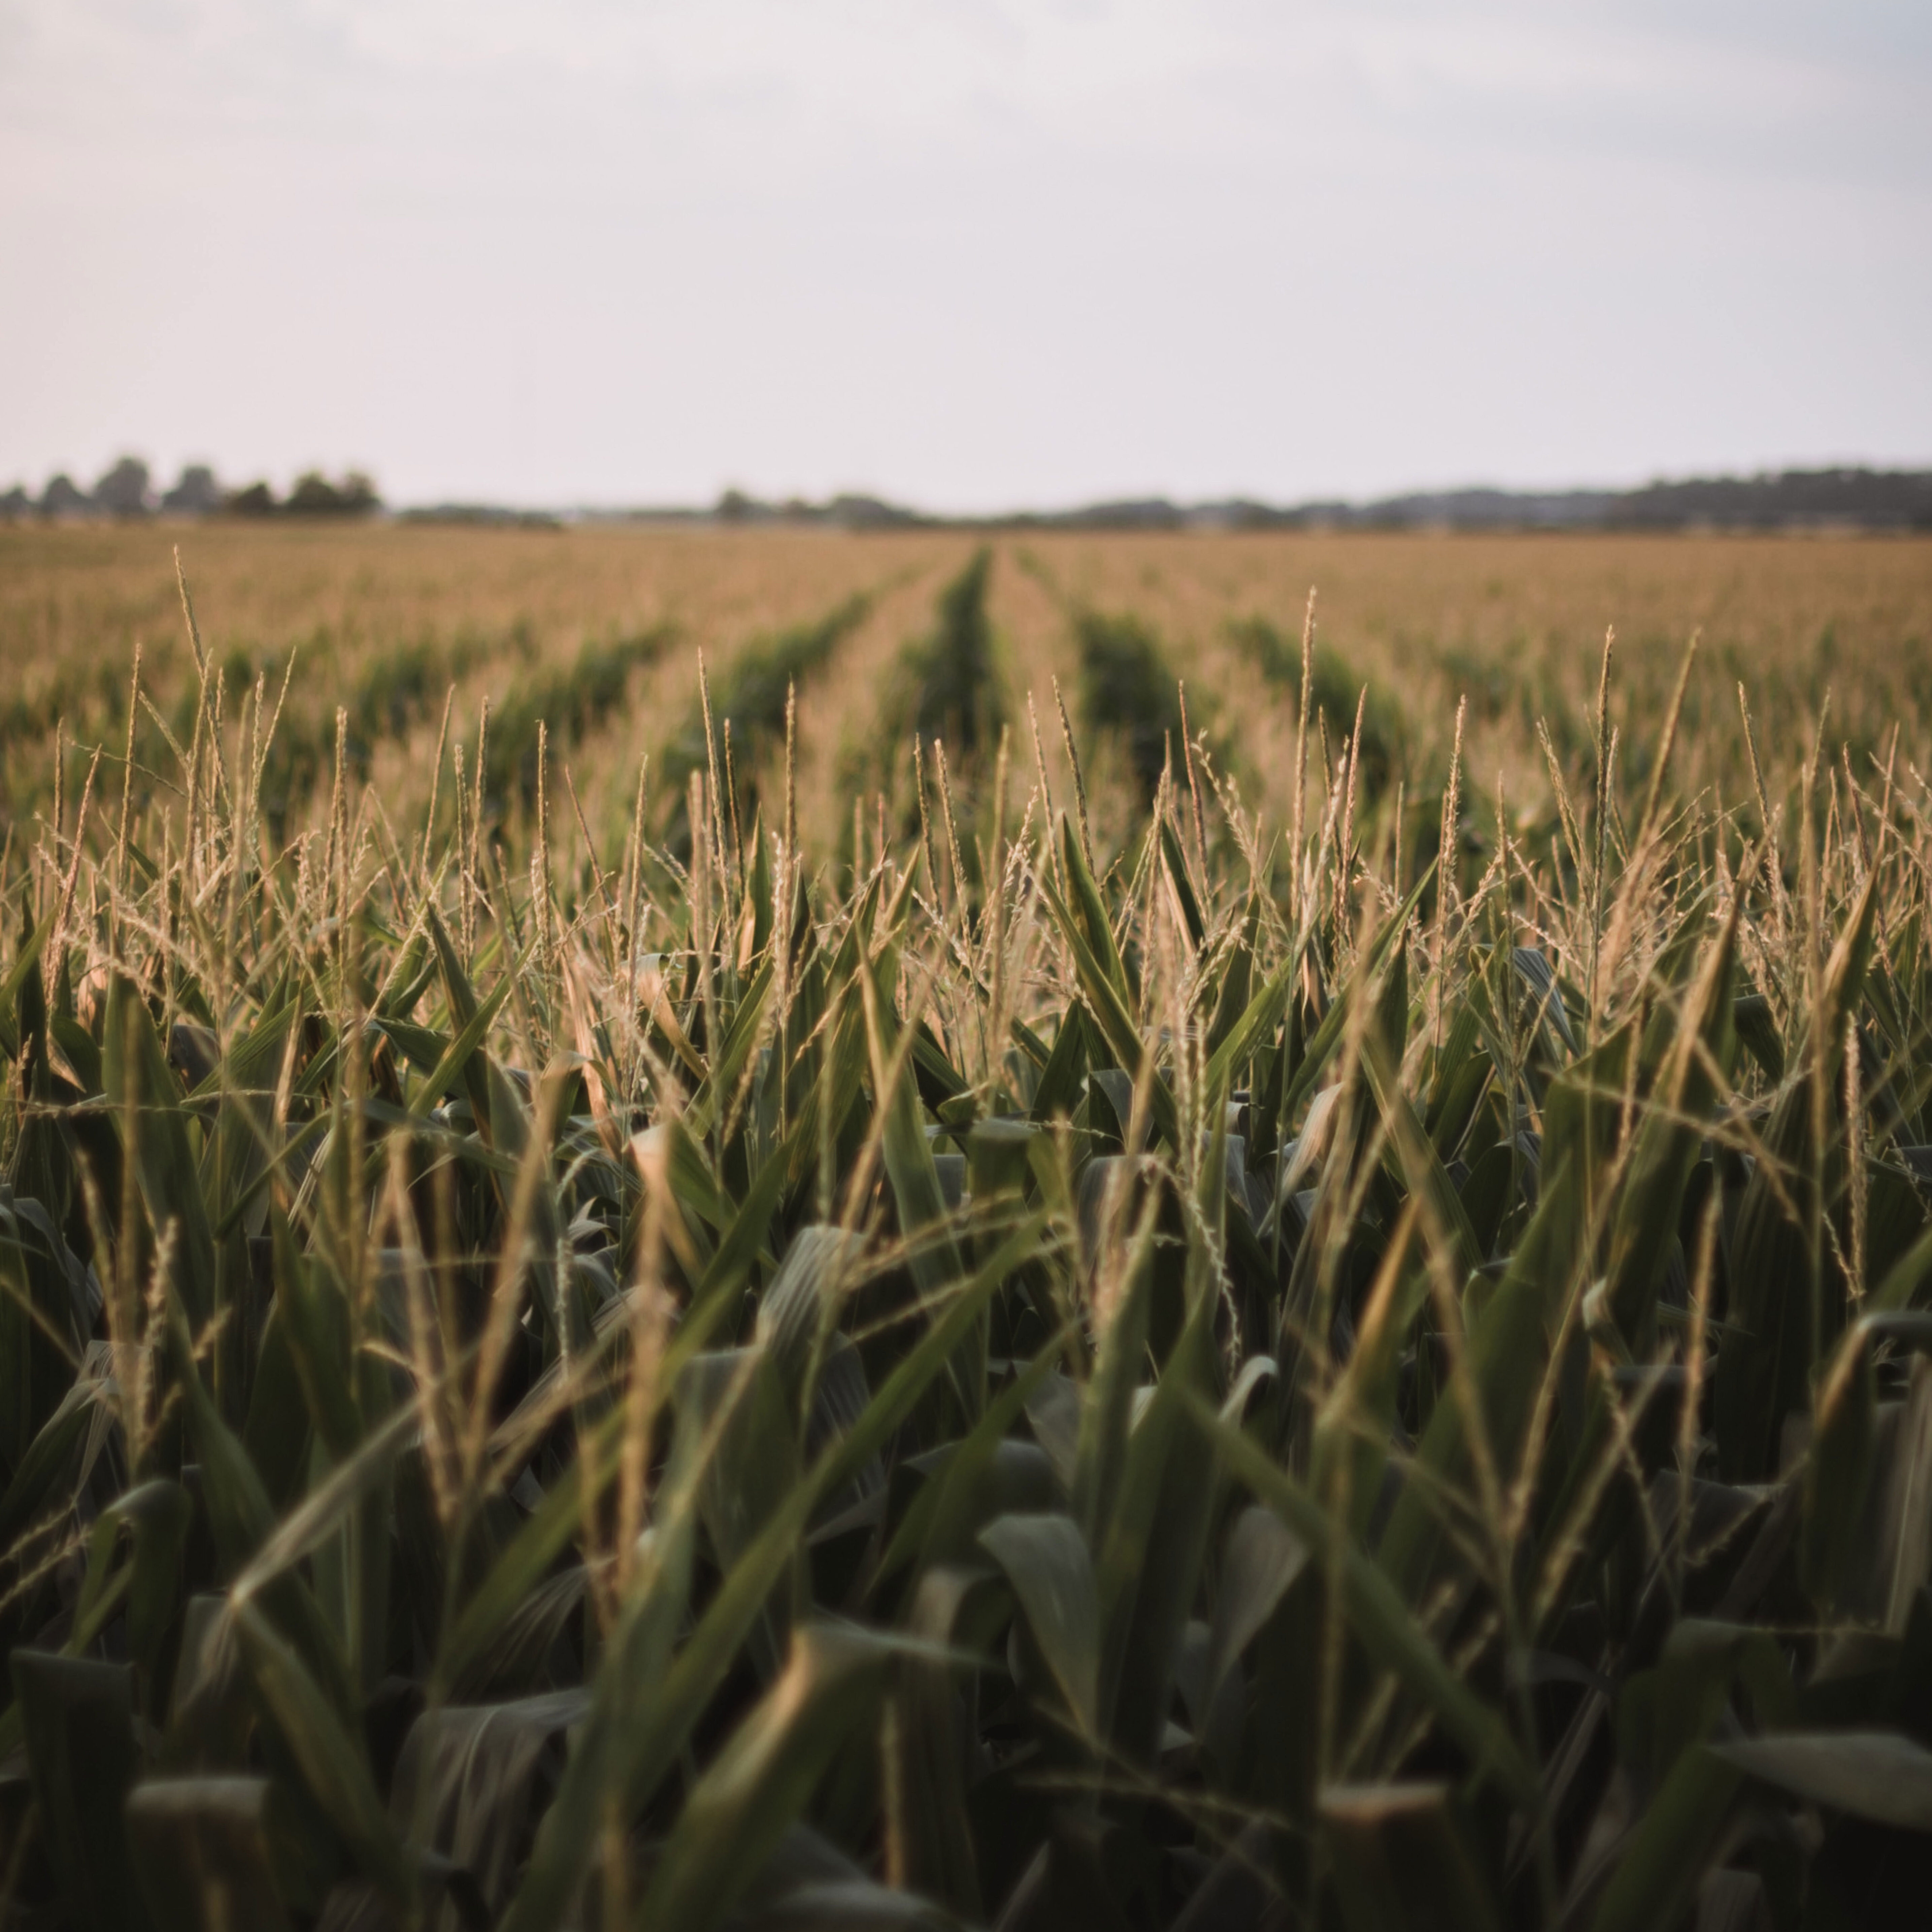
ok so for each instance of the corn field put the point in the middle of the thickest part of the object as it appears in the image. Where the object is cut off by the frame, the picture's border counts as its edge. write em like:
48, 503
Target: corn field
1191, 1370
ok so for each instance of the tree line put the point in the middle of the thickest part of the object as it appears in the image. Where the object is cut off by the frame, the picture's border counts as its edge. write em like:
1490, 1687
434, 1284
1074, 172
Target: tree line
128, 489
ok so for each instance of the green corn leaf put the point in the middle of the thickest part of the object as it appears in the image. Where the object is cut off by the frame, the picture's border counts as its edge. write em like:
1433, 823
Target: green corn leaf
1880, 1775
1065, 1073
25, 961
1669, 1141
1176, 865
473, 1019
1045, 1560
1658, 1871
1088, 918
727, 1064
925, 1755
468, 1777
1108, 1004
1262, 1558
1106, 1416
140, 1082
529, 1557
1399, 1859
1156, 1536
1327, 1036
79, 1733
1764, 1373
983, 1476
1508, 1355
202, 1846
334, 1766
49, 1458
157, 1514
1838, 1471
761, 1781
1379, 1619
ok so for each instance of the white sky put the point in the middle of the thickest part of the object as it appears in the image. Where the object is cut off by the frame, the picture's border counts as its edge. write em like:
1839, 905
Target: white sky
965, 253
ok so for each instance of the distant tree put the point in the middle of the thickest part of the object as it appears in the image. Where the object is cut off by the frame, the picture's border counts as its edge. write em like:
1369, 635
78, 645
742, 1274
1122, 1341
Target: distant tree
196, 493
15, 505
734, 507
315, 496
866, 513
124, 491
256, 500
64, 497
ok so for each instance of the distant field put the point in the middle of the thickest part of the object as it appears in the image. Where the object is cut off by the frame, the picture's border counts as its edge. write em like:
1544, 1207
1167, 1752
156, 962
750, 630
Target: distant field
385, 619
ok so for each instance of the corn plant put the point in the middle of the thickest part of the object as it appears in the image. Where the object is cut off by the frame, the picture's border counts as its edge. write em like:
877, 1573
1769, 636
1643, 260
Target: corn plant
1232, 1381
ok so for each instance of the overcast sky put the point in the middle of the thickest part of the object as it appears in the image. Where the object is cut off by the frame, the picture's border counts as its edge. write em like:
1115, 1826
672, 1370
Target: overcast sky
965, 253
